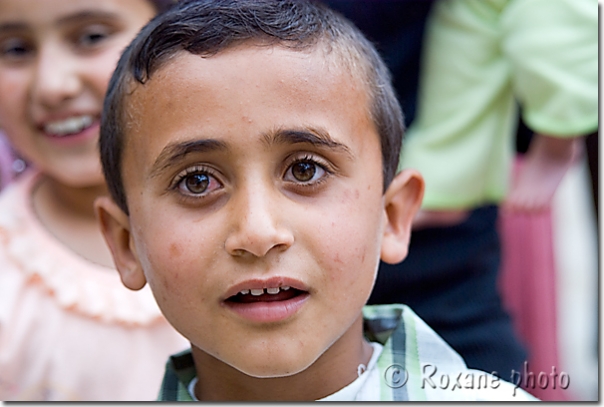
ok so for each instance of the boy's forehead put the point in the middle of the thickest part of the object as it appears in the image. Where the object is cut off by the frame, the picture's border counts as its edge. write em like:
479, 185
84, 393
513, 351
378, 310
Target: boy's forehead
266, 87
241, 63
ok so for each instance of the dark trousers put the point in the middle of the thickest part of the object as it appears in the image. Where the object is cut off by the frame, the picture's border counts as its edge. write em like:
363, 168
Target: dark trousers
450, 280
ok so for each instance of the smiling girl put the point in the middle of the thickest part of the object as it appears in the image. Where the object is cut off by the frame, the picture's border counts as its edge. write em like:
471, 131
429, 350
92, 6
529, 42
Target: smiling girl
69, 330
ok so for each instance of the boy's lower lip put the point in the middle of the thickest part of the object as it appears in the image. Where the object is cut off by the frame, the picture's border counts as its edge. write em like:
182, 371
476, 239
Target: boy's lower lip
268, 311
76, 138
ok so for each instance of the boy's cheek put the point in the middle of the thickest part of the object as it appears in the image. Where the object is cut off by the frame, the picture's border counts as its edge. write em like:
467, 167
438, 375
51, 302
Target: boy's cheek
350, 244
172, 252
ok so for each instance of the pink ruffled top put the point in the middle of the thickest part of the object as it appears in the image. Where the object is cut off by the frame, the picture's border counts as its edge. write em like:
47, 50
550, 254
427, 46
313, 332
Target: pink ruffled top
69, 329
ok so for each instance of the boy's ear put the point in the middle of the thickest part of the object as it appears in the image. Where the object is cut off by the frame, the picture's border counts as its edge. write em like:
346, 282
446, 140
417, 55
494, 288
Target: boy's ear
115, 226
402, 200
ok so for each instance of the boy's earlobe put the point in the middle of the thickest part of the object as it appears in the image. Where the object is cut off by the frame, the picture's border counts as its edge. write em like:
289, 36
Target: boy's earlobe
115, 227
402, 200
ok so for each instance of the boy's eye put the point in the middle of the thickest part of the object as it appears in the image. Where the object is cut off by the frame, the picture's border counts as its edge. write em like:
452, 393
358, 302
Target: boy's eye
196, 183
305, 171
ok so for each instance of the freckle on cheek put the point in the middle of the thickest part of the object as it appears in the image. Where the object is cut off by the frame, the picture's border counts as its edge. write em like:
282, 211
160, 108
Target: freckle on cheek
337, 259
174, 250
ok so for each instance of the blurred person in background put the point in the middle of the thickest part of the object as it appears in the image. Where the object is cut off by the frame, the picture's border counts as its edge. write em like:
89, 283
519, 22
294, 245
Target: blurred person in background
7, 157
69, 330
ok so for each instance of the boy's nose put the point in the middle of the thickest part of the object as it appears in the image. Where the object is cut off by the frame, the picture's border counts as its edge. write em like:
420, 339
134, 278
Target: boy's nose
55, 79
257, 226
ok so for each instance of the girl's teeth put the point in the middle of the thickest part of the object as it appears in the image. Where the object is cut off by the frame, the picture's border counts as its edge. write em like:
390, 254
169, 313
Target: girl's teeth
257, 291
69, 126
285, 288
273, 290
244, 292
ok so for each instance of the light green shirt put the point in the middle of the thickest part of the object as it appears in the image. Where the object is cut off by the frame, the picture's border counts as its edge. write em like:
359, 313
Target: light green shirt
480, 57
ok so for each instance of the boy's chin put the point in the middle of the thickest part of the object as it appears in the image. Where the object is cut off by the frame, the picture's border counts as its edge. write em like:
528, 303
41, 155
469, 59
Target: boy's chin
275, 363
264, 370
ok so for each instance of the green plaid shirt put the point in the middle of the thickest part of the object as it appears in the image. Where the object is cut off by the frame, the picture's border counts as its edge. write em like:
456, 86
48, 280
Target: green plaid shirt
415, 364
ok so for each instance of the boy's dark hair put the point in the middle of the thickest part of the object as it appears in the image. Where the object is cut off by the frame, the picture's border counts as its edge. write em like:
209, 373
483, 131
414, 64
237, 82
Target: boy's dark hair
206, 27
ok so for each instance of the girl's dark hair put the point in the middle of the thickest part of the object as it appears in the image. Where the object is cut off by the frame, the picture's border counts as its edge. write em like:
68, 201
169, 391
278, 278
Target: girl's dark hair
207, 27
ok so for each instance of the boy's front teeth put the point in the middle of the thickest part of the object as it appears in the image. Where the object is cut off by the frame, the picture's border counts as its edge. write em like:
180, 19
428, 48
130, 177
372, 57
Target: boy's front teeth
259, 291
69, 126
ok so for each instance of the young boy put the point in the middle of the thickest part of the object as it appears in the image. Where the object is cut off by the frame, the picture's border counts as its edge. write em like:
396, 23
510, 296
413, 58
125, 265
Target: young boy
251, 149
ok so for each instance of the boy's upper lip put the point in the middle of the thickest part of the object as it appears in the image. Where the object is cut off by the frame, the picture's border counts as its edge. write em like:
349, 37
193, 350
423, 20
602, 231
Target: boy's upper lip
261, 283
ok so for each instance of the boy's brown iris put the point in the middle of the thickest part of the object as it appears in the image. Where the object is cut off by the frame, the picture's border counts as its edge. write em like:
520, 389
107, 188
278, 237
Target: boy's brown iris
197, 183
304, 171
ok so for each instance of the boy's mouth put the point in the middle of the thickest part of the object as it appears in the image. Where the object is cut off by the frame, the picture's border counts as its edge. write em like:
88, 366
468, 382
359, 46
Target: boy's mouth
268, 301
283, 293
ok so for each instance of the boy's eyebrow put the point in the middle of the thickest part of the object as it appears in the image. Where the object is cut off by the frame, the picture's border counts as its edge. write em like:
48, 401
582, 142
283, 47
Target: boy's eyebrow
315, 137
173, 152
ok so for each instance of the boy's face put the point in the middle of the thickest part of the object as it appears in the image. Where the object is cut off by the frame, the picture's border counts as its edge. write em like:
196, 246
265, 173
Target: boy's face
56, 58
252, 171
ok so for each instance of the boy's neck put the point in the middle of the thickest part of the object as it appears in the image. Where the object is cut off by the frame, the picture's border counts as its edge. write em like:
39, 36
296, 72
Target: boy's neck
68, 214
334, 370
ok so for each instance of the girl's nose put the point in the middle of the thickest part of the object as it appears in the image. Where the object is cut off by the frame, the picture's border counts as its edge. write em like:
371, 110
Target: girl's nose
56, 79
